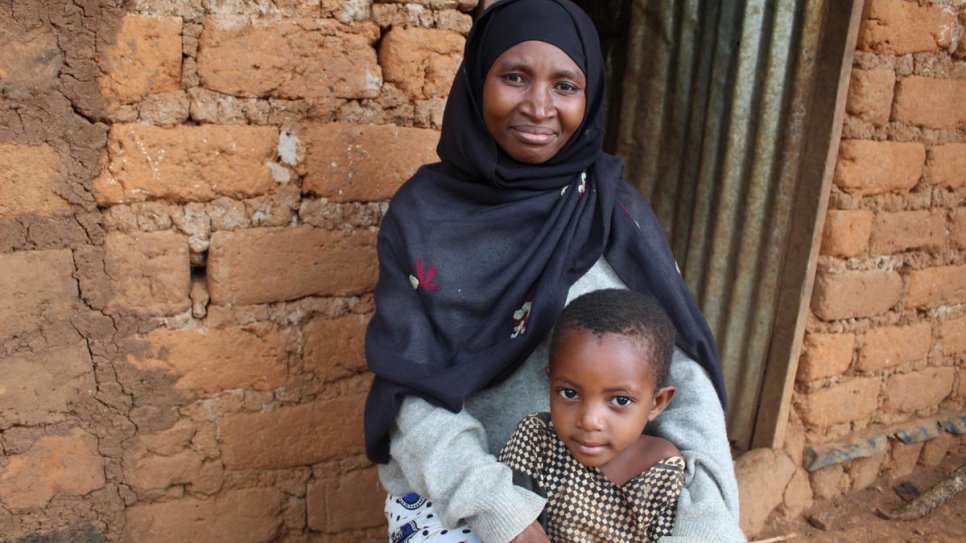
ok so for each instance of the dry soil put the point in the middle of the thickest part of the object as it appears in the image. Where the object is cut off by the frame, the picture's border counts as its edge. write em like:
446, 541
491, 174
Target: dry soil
853, 519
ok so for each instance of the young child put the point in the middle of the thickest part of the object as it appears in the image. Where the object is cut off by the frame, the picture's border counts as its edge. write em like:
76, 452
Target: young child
604, 479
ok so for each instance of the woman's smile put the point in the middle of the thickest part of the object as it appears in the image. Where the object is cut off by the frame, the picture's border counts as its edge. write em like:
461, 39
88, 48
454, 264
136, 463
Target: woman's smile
534, 135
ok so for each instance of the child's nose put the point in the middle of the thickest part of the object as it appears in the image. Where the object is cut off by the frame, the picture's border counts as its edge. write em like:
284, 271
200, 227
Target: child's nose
591, 418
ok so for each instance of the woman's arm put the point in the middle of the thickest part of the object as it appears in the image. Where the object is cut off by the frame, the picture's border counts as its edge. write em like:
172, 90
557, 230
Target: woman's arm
708, 507
443, 457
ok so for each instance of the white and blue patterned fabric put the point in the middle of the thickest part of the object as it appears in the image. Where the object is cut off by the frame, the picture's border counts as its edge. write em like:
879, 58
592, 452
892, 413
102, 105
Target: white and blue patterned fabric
413, 520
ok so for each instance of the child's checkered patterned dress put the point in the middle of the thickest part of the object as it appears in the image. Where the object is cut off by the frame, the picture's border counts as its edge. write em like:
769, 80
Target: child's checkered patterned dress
583, 506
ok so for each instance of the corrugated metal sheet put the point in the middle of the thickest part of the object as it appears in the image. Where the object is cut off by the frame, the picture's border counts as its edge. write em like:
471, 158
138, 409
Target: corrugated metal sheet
715, 107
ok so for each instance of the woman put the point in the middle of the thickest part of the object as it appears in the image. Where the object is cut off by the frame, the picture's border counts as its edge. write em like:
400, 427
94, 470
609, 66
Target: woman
478, 255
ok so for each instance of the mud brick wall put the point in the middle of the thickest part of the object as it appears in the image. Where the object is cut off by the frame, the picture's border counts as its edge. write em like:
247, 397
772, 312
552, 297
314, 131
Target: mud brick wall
189, 197
885, 343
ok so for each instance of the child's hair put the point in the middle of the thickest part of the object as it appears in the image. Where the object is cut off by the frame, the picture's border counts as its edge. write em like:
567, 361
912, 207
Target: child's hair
637, 316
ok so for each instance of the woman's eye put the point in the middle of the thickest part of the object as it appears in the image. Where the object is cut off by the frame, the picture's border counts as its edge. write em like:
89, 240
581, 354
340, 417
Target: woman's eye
513, 78
568, 393
567, 87
622, 401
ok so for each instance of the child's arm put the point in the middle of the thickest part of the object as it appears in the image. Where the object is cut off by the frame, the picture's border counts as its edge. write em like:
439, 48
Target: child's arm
638, 458
660, 449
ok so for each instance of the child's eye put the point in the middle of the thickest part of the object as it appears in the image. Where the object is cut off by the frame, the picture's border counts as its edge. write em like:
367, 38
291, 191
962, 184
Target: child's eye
622, 401
568, 393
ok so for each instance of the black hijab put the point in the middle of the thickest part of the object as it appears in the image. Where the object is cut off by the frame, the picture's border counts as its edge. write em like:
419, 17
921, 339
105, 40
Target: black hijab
477, 252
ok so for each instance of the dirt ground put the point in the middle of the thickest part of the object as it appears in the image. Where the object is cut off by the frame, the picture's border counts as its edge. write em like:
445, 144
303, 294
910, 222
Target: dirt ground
852, 518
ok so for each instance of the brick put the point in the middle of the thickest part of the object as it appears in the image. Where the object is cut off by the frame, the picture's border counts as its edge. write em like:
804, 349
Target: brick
143, 59
391, 15
226, 214
285, 8
953, 333
892, 346
957, 230
847, 232
149, 273
252, 515
909, 392
875, 167
946, 166
864, 471
252, 357
870, 95
934, 451
30, 178
313, 59
455, 20
293, 436
852, 400
899, 27
905, 230
145, 473
798, 496
351, 502
37, 288
275, 264
169, 441
855, 293
931, 103
350, 162
795, 439
186, 163
39, 388
825, 355
420, 61
903, 458
31, 60
931, 287
54, 465
829, 482
762, 475
335, 348
167, 109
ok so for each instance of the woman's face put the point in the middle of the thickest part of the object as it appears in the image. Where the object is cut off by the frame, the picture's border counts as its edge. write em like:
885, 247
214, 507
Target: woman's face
533, 100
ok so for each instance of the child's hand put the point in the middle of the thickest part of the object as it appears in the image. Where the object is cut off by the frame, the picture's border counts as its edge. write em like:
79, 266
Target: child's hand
532, 534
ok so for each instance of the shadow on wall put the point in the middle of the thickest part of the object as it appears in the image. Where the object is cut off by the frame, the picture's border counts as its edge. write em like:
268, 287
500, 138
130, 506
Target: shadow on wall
64, 412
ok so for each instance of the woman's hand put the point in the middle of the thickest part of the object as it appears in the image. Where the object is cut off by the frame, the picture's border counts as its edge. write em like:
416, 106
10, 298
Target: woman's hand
532, 534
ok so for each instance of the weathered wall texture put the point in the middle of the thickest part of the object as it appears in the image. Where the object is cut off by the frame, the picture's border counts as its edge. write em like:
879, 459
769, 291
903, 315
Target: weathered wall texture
885, 345
189, 195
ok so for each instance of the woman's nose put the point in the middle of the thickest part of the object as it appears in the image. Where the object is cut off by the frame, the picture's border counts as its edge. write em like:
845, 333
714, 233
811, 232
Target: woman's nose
539, 102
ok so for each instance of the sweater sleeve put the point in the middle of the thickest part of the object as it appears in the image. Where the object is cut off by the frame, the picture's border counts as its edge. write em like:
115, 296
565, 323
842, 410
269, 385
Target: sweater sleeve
443, 456
707, 509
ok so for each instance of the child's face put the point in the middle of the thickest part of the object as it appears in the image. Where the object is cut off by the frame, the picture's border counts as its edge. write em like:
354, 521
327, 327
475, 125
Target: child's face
602, 394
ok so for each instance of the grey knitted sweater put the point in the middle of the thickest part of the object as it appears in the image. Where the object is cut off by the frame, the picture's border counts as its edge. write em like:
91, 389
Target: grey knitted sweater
450, 457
